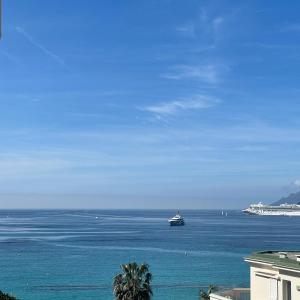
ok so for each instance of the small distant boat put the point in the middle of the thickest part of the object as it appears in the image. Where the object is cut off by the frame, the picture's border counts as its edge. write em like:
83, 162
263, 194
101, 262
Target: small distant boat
176, 220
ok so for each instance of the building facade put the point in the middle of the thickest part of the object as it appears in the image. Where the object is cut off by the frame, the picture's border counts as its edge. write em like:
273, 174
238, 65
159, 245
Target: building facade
273, 276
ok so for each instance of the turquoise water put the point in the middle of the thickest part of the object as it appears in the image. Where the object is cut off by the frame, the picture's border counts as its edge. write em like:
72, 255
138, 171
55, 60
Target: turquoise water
66, 254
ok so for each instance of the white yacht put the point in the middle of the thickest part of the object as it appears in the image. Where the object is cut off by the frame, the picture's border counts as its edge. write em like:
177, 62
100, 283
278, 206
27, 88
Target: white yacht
273, 210
177, 220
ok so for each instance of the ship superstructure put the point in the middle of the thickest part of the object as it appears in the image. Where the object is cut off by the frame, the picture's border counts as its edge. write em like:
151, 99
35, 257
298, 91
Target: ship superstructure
273, 210
176, 220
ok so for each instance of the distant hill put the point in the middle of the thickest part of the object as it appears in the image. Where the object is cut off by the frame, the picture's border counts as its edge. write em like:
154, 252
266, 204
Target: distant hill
293, 198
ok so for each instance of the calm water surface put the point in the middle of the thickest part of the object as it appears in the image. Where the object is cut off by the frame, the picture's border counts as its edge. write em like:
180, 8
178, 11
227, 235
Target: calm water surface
63, 254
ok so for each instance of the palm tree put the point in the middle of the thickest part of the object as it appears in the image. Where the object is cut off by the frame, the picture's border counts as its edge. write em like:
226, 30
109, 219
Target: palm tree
205, 295
4, 296
133, 283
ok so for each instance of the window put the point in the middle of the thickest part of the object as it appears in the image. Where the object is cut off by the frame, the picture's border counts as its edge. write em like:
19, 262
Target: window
287, 290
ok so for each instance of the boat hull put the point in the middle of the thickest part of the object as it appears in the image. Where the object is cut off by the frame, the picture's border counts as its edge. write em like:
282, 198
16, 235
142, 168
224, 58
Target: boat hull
176, 223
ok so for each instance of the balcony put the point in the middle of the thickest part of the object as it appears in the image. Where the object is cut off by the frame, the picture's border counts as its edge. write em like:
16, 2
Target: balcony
234, 294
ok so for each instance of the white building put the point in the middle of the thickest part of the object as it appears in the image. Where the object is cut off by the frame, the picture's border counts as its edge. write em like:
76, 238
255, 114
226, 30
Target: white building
273, 276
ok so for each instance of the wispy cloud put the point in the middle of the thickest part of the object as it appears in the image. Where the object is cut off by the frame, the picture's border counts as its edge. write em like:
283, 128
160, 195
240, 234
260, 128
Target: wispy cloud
251, 148
270, 45
204, 26
173, 107
206, 73
296, 183
17, 165
216, 24
187, 29
292, 27
292, 187
38, 45
9, 56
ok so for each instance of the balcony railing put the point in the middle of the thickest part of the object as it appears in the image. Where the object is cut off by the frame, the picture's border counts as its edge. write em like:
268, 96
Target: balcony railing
234, 294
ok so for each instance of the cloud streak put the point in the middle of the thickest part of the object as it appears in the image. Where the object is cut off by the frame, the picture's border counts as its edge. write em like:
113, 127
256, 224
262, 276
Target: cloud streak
291, 27
205, 26
210, 73
173, 107
187, 30
9, 56
46, 51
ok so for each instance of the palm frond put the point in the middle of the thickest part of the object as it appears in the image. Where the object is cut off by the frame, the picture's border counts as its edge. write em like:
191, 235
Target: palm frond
134, 283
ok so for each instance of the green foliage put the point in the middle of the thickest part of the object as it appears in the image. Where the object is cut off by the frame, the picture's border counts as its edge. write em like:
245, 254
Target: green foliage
4, 296
134, 283
204, 295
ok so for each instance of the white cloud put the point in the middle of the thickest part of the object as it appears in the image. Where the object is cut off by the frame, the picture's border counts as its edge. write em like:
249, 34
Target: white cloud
206, 73
296, 183
173, 107
293, 187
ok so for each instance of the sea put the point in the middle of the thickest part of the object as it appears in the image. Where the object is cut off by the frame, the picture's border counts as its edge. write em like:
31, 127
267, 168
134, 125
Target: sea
75, 254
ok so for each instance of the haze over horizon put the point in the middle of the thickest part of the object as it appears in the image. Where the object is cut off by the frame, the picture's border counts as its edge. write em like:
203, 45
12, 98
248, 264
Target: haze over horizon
148, 104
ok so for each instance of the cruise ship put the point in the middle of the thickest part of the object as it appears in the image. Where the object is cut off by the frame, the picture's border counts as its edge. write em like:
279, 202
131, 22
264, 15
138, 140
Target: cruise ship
273, 210
177, 220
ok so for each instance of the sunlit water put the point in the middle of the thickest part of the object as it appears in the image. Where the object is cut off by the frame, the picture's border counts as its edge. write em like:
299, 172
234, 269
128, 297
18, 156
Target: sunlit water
65, 255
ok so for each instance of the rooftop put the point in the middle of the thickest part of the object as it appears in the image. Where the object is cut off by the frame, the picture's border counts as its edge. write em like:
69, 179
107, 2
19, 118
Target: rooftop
289, 259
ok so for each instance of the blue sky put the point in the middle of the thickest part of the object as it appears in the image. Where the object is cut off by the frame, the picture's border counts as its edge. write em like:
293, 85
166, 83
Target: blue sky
149, 104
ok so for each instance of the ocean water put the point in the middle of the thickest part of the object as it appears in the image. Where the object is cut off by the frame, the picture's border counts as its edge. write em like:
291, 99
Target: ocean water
74, 254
